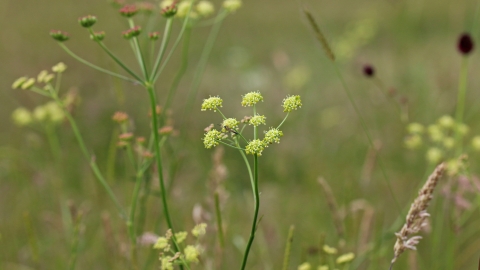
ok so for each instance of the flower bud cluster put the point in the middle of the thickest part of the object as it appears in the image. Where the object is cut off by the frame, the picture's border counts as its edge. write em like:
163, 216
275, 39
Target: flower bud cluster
331, 252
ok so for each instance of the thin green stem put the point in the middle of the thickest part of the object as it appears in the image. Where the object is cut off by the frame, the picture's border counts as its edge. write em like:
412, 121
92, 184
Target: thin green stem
369, 137
163, 46
138, 52
219, 221
286, 116
83, 61
255, 216
120, 63
158, 158
53, 140
462, 90
93, 164
75, 243
288, 247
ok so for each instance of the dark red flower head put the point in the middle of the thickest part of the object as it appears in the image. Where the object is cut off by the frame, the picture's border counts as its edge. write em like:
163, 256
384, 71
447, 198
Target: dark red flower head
465, 44
128, 11
368, 70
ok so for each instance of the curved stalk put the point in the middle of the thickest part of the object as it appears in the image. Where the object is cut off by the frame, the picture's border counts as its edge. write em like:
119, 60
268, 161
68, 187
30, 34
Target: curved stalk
120, 63
255, 216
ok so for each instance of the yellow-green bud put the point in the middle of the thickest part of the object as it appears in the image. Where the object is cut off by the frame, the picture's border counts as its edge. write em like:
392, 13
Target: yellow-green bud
291, 103
212, 103
415, 128
205, 8
59, 35
161, 243
463, 129
413, 141
183, 8
255, 147
180, 237
41, 76
98, 36
21, 116
449, 142
87, 21
232, 5
257, 120
191, 254
19, 82
446, 121
305, 266
166, 263
434, 155
322, 267
330, 250
29, 83
435, 133
59, 68
476, 143
345, 258
199, 229
251, 99
40, 113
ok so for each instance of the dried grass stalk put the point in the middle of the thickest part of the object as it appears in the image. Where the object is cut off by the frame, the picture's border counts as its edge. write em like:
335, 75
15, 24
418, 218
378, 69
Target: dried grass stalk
417, 215
319, 35
332, 204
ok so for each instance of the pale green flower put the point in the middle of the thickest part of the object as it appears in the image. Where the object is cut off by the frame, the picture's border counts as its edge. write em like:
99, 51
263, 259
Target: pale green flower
29, 83
40, 113
304, 266
463, 129
229, 124
162, 243
191, 253
449, 142
22, 117
273, 136
180, 237
182, 9
415, 128
199, 229
413, 141
165, 3
257, 120
330, 250
211, 138
435, 133
166, 263
205, 8
55, 112
476, 143
251, 99
345, 258
232, 5
446, 121
291, 103
434, 155
212, 103
19, 82
59, 68
322, 267
255, 147
41, 76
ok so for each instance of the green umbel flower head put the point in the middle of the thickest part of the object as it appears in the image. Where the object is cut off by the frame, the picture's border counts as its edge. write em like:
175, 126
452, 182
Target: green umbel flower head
257, 120
291, 103
255, 147
211, 138
273, 136
229, 124
212, 103
251, 99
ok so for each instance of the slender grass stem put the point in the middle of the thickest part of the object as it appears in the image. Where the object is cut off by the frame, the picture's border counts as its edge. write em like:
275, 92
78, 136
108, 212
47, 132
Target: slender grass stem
93, 164
288, 247
255, 216
219, 220
462, 90
163, 46
53, 140
83, 61
75, 243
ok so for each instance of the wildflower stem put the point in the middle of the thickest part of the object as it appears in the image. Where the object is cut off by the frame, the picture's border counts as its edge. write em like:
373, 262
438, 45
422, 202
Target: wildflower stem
286, 256
166, 37
138, 52
257, 207
158, 157
286, 116
185, 27
120, 63
83, 61
93, 164
462, 90
369, 137
219, 220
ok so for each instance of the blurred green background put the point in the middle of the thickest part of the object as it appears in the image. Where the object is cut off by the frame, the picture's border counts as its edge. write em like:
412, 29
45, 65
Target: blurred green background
266, 46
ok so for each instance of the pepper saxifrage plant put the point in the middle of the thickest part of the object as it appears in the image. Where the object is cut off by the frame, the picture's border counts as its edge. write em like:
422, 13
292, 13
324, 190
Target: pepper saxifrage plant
151, 63
231, 134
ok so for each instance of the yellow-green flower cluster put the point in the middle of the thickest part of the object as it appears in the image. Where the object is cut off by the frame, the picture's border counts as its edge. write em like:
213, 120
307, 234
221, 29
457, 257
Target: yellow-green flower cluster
49, 112
291, 103
255, 147
191, 253
331, 253
230, 124
22, 116
232, 5
257, 120
305, 266
45, 77
23, 82
345, 258
212, 103
212, 138
329, 250
251, 99
273, 136
205, 8
59, 68
199, 230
